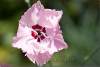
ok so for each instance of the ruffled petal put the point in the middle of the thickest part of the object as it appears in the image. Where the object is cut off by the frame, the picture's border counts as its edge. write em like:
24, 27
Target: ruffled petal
49, 18
59, 42
56, 38
30, 16
24, 43
40, 58
23, 31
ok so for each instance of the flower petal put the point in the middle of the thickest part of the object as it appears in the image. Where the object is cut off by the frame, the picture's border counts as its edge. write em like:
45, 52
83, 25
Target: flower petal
24, 43
30, 16
23, 31
59, 42
56, 38
49, 18
40, 58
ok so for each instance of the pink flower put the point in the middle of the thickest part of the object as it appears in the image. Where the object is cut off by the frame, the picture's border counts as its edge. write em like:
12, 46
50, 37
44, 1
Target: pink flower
39, 34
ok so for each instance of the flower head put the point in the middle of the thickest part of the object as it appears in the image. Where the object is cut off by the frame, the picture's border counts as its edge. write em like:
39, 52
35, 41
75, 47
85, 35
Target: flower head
39, 34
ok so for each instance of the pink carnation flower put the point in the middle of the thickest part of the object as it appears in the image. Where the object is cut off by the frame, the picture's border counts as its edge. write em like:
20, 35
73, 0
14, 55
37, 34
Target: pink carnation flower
39, 34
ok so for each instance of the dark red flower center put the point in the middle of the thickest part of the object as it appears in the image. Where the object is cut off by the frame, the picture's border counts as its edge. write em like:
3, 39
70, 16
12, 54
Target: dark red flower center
40, 32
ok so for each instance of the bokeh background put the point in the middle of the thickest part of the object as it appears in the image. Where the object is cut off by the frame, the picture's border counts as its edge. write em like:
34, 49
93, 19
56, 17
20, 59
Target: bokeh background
81, 30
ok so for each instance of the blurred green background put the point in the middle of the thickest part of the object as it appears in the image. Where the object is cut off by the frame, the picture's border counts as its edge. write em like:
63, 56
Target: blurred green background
81, 30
